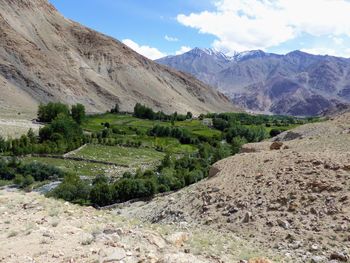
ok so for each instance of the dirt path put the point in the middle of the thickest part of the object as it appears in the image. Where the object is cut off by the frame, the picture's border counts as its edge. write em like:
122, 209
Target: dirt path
74, 151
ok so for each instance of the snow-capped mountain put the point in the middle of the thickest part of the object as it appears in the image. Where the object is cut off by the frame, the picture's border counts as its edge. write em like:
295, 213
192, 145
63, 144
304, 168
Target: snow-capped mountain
297, 83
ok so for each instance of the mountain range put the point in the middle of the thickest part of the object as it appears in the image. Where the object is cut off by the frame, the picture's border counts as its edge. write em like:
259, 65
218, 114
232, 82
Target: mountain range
297, 83
46, 57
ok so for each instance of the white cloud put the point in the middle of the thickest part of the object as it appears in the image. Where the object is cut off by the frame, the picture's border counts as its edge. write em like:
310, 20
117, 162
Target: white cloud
170, 39
147, 51
327, 51
259, 24
338, 40
182, 50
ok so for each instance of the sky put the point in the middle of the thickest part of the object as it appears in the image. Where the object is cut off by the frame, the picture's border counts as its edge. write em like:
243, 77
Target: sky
158, 28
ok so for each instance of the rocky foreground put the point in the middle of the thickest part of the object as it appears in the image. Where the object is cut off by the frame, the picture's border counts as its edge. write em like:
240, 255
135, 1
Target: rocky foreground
291, 196
36, 229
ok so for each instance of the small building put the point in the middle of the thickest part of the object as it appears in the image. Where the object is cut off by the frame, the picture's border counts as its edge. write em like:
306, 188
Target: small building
208, 122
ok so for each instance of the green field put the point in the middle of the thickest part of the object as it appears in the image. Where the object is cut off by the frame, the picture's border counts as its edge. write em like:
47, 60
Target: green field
120, 155
125, 122
81, 168
169, 145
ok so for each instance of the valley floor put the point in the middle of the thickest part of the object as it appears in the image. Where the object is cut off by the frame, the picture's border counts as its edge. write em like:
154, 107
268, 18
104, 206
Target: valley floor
288, 203
294, 200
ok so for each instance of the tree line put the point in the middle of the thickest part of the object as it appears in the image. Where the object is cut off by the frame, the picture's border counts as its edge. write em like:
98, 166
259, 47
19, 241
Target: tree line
61, 133
24, 175
144, 112
171, 175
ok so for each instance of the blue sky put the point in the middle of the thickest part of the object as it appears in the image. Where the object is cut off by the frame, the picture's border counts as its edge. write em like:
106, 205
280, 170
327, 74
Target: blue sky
156, 27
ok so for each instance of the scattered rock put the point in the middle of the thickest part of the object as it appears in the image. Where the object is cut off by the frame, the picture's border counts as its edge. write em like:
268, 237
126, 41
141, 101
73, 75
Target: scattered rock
340, 256
116, 254
247, 217
178, 239
259, 260
318, 259
314, 247
156, 240
283, 223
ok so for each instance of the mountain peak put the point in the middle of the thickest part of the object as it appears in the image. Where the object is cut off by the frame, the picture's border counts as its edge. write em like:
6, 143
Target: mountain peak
208, 51
298, 53
245, 55
238, 56
297, 83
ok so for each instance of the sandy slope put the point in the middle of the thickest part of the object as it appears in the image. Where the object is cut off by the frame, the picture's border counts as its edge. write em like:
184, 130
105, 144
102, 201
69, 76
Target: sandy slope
16, 127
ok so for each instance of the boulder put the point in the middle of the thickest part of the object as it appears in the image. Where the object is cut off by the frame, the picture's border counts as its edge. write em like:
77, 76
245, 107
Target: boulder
213, 171
114, 255
276, 146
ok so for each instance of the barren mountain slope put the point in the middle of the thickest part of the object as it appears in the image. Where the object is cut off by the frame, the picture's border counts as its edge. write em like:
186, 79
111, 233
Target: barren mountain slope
45, 57
294, 200
297, 83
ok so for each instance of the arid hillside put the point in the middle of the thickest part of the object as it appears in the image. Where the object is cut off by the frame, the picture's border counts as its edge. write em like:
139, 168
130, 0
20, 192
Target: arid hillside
46, 57
291, 195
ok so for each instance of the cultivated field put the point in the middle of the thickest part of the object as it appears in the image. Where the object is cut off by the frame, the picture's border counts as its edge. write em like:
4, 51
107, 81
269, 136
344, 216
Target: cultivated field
120, 155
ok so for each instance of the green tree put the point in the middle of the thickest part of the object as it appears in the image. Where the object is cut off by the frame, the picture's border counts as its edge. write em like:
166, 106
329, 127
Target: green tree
6, 173
32, 137
115, 109
3, 145
189, 115
50, 111
101, 194
72, 189
78, 113
71, 134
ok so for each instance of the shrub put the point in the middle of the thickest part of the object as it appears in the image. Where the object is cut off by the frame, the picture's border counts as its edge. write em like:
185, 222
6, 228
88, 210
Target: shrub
193, 177
127, 189
237, 144
101, 194
72, 189
6, 173
23, 181
41, 172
